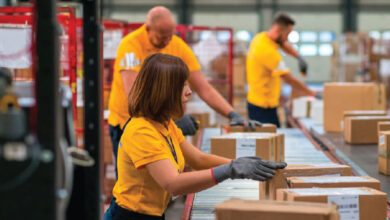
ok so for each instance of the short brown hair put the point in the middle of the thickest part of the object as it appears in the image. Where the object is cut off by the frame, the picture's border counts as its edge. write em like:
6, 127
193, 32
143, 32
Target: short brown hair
156, 93
283, 20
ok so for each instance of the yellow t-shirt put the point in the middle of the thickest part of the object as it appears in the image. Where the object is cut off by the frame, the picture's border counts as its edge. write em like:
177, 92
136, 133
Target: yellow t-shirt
142, 143
264, 67
131, 53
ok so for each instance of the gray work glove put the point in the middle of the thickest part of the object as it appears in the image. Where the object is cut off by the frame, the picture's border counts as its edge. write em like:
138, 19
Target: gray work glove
236, 120
302, 66
187, 124
247, 168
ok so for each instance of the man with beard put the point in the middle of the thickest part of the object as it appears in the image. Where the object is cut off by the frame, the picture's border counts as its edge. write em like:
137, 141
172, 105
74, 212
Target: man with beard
266, 68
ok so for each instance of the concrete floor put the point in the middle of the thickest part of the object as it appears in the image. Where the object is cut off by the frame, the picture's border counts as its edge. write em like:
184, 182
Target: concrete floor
175, 208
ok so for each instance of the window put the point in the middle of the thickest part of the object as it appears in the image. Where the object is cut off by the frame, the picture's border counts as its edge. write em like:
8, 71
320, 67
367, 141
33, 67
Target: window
223, 36
244, 35
308, 36
327, 36
386, 35
293, 37
375, 34
325, 50
308, 50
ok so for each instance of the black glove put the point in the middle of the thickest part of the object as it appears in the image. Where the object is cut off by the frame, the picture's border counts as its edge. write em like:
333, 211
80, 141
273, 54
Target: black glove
236, 119
187, 124
247, 168
302, 66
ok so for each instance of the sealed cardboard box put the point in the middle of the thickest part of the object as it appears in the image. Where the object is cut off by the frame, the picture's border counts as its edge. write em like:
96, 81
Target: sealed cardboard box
384, 152
362, 129
238, 209
354, 203
107, 150
340, 97
279, 181
333, 182
280, 148
204, 119
302, 107
383, 126
317, 112
234, 145
268, 128
362, 113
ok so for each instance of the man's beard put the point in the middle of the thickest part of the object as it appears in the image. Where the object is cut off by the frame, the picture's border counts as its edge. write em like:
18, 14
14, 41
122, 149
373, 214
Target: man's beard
279, 40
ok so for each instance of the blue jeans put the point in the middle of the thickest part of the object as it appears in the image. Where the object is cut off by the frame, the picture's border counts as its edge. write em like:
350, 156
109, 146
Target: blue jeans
115, 212
115, 134
263, 115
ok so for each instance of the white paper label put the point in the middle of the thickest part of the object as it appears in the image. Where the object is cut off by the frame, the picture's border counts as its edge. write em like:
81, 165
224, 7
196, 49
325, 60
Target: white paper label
245, 147
381, 140
348, 206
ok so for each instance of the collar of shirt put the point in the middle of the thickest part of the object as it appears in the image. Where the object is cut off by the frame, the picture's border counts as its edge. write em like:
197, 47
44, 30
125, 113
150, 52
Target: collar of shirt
161, 128
270, 41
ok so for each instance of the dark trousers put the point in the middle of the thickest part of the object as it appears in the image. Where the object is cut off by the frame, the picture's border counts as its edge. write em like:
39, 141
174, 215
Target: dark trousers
115, 212
115, 134
263, 115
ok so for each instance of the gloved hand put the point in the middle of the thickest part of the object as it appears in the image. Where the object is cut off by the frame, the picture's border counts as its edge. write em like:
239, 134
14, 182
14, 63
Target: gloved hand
236, 119
187, 124
318, 96
247, 168
302, 66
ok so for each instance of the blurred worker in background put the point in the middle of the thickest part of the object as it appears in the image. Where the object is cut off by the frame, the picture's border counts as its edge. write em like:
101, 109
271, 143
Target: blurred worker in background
153, 152
157, 36
265, 68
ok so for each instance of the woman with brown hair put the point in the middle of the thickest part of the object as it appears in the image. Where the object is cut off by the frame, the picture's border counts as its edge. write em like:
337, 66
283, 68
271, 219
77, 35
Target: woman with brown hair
152, 151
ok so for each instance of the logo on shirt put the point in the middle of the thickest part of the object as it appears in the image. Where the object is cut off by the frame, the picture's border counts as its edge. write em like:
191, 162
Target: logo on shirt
130, 61
120, 144
282, 66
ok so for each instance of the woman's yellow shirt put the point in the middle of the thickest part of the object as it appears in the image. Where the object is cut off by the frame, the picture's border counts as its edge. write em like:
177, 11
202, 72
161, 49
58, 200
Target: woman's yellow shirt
143, 142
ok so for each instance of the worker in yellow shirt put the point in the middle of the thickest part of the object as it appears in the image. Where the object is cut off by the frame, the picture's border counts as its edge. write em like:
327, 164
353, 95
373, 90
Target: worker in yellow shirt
266, 68
153, 151
157, 36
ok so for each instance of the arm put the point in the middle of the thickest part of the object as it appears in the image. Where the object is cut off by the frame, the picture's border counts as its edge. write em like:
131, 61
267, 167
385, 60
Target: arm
297, 84
289, 49
209, 94
128, 78
199, 160
166, 175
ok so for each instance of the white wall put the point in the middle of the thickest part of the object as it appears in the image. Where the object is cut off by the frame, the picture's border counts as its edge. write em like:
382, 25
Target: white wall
237, 20
132, 17
373, 21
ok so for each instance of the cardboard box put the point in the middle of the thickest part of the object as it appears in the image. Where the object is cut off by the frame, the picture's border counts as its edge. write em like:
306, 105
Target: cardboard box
317, 112
234, 145
279, 181
362, 129
204, 119
333, 182
384, 152
302, 107
239, 71
362, 113
280, 148
383, 126
267, 128
238, 209
340, 97
354, 203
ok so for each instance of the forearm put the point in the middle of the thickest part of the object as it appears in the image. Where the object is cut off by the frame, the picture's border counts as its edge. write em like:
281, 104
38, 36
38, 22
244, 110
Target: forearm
207, 161
289, 49
215, 100
128, 78
298, 85
191, 182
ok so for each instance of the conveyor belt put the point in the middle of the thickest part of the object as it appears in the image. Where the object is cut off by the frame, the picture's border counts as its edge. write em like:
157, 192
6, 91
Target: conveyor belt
298, 149
362, 158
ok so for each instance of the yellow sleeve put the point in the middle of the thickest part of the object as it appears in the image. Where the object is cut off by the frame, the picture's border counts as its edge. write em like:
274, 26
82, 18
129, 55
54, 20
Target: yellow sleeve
178, 133
188, 56
144, 147
128, 57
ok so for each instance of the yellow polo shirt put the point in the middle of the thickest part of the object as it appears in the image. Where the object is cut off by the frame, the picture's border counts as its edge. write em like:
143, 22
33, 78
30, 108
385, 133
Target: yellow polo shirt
264, 66
142, 143
131, 53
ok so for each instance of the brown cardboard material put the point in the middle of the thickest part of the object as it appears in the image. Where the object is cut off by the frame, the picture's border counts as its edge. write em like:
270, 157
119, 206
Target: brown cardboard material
340, 97
362, 129
225, 145
238, 209
268, 128
280, 148
333, 182
372, 203
107, 147
279, 181
204, 119
364, 113
384, 152
383, 126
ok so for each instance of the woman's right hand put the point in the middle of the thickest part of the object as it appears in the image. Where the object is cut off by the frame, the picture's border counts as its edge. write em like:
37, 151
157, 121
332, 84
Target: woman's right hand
247, 168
